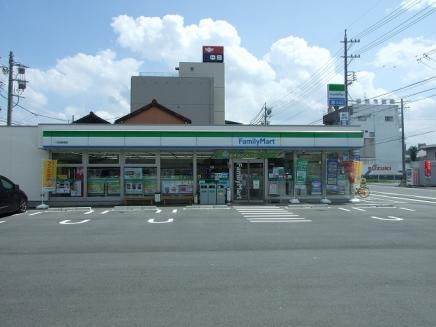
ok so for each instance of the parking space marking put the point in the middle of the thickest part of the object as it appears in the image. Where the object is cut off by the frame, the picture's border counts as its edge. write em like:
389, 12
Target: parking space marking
88, 212
343, 209
152, 221
300, 220
390, 218
407, 209
408, 199
158, 210
174, 211
2, 221
69, 222
35, 213
105, 212
359, 209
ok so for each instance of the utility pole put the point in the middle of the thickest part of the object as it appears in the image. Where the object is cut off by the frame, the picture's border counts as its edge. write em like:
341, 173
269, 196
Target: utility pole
21, 84
403, 147
10, 86
266, 114
347, 81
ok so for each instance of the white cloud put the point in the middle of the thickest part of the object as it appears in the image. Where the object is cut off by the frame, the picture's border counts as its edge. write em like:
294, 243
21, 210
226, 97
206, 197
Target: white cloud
417, 5
81, 83
250, 81
169, 39
404, 52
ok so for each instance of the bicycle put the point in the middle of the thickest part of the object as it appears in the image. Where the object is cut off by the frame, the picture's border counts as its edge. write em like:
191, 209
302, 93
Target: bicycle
362, 191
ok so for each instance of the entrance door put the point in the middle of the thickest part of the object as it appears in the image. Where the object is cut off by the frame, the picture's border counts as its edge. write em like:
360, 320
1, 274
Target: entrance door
248, 181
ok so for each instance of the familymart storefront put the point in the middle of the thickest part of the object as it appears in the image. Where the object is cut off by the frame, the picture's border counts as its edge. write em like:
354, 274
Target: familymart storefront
244, 164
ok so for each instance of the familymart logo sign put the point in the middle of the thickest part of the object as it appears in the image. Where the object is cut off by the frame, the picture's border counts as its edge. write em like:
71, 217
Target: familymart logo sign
257, 141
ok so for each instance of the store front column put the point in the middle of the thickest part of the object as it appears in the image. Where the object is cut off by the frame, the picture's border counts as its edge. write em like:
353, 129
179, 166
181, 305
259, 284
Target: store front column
324, 178
294, 199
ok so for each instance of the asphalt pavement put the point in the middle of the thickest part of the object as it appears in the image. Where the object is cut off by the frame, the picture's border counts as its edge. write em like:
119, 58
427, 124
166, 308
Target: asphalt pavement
371, 263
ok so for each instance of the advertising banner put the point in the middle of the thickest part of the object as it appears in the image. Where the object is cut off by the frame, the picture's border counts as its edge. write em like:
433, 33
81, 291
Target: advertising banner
213, 53
332, 171
49, 168
301, 172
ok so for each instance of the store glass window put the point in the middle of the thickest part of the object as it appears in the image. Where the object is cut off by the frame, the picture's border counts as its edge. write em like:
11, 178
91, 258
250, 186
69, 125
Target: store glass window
104, 181
338, 168
140, 180
212, 170
280, 176
67, 158
176, 173
308, 179
69, 182
140, 158
103, 158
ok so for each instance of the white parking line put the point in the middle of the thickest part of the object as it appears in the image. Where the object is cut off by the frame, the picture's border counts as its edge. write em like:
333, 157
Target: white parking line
390, 218
69, 222
407, 209
35, 213
158, 210
2, 221
105, 212
343, 209
408, 199
174, 210
152, 221
281, 221
360, 209
88, 212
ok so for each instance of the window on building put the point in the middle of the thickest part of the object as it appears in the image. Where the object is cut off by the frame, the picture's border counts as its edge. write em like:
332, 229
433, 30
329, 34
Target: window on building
104, 181
389, 118
67, 158
103, 158
338, 173
140, 158
309, 174
176, 173
280, 176
140, 180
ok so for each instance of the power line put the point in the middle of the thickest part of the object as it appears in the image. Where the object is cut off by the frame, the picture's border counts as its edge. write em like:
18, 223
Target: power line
388, 18
34, 113
404, 87
423, 13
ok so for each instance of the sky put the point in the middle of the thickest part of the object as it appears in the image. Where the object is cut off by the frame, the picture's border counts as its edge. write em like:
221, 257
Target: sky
82, 54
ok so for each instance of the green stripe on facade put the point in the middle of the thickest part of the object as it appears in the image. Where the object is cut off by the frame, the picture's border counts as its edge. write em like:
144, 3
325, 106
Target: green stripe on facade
201, 134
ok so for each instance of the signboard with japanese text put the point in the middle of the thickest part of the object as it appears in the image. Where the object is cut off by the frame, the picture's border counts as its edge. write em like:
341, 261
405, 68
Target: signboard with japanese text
213, 53
49, 168
336, 95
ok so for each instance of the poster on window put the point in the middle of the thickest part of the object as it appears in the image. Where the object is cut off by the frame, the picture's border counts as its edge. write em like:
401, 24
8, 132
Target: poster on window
133, 173
301, 172
332, 174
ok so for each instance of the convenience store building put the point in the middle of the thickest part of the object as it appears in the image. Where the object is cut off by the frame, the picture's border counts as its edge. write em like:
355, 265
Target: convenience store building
109, 164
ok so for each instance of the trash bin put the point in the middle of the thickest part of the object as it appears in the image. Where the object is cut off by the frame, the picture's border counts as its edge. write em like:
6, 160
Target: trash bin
204, 193
221, 194
211, 193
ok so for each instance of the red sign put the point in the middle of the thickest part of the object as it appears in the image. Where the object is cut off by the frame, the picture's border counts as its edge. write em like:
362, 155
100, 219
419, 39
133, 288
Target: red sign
213, 53
427, 168
349, 170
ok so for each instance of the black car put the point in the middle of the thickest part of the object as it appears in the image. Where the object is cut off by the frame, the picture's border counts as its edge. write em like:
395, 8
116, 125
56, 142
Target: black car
12, 199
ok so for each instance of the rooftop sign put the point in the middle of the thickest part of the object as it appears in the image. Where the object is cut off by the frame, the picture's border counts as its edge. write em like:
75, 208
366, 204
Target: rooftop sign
213, 53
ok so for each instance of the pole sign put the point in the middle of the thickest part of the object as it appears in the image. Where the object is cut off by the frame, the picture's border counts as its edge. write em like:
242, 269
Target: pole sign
427, 168
213, 53
336, 95
49, 175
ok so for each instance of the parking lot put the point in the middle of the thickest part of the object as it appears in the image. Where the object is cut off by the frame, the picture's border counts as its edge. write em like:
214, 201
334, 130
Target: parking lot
370, 263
